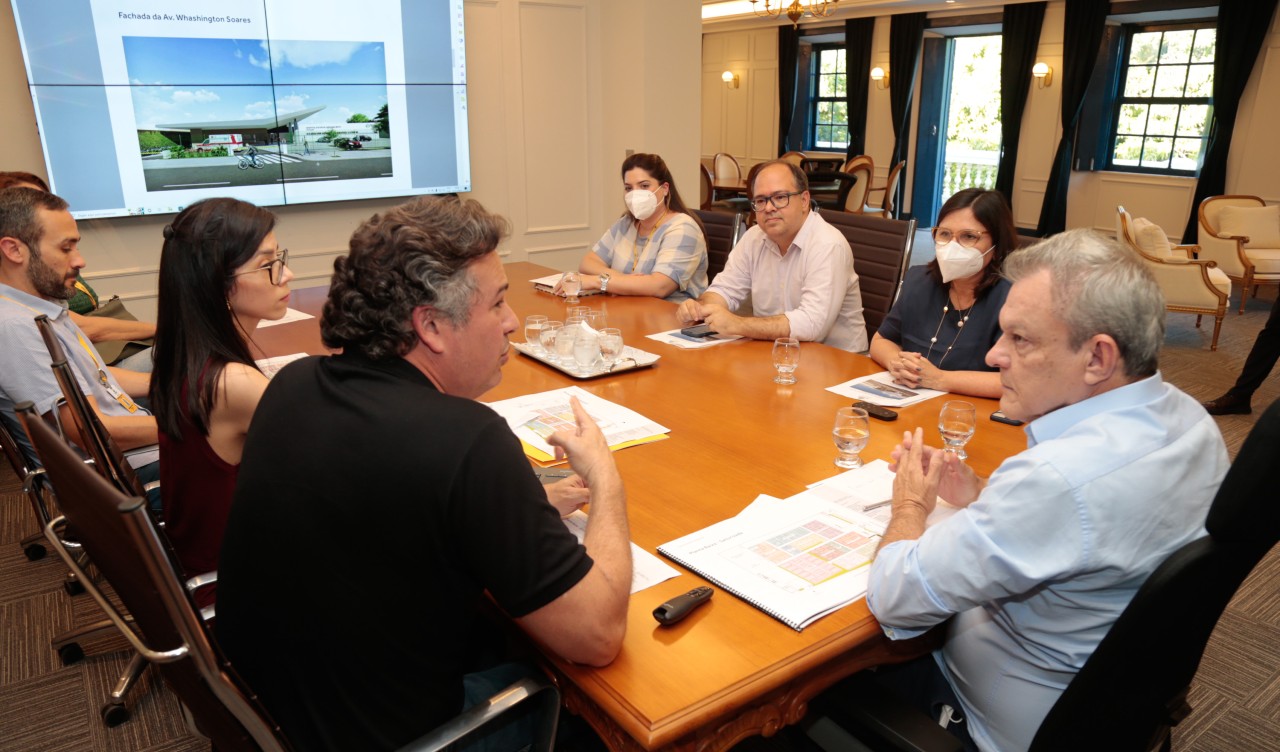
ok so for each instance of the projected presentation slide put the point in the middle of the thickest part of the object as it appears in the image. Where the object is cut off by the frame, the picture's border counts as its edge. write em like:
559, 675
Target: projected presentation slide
143, 109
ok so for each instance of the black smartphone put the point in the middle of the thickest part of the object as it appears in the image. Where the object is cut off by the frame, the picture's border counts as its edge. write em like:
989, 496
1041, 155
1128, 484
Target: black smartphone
999, 417
876, 411
697, 330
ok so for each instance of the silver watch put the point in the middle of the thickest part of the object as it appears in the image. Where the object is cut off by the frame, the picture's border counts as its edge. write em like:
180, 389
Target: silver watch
604, 282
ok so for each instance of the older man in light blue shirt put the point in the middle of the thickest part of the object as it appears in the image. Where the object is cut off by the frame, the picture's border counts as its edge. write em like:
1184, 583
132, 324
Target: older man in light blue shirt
1119, 472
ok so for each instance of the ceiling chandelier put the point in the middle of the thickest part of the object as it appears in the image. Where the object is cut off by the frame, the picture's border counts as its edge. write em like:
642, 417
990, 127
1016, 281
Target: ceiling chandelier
794, 10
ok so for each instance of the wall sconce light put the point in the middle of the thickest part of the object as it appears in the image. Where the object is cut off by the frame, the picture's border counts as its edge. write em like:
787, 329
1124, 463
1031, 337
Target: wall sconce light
881, 77
1043, 75
730, 79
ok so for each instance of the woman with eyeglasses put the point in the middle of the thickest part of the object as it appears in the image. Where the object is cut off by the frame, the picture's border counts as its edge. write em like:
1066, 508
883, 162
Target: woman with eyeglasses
656, 248
221, 272
946, 318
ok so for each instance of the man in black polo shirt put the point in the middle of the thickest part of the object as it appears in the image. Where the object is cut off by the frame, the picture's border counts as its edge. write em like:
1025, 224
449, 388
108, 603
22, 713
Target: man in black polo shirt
377, 501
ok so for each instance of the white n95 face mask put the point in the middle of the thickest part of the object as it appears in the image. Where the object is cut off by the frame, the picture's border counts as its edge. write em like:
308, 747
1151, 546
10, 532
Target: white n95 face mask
956, 261
641, 203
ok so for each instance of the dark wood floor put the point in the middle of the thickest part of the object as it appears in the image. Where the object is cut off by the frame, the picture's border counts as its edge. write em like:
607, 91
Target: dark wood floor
46, 706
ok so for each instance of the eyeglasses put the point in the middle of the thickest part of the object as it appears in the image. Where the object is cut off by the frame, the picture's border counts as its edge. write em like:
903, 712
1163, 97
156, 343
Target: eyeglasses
967, 238
779, 201
275, 269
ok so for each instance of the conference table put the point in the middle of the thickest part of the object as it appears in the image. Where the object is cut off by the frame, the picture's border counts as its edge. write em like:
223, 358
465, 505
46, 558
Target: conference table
728, 671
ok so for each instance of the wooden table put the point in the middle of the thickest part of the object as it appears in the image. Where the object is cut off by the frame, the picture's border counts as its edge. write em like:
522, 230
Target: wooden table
728, 671
819, 161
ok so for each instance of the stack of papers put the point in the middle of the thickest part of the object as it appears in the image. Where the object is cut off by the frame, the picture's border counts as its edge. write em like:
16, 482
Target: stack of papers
801, 558
880, 389
534, 417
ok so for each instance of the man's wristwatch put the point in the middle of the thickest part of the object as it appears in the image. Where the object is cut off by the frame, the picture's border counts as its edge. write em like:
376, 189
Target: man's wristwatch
604, 282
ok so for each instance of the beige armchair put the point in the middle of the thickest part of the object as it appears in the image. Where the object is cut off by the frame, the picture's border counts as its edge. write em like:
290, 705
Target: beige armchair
1189, 285
1242, 234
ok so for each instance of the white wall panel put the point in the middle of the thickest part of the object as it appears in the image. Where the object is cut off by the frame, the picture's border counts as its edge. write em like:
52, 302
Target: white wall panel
553, 65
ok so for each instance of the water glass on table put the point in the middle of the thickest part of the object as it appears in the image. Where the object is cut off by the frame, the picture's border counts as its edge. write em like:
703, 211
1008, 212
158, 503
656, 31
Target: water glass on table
547, 338
851, 433
786, 358
957, 422
586, 350
570, 285
580, 311
597, 320
610, 346
564, 341
533, 330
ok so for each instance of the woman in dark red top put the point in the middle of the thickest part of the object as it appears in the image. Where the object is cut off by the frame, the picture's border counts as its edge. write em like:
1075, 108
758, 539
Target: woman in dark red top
221, 272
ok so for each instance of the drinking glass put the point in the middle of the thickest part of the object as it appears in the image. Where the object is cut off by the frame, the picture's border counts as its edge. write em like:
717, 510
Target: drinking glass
597, 320
547, 338
533, 330
580, 310
957, 422
786, 358
570, 285
610, 346
851, 433
564, 342
586, 350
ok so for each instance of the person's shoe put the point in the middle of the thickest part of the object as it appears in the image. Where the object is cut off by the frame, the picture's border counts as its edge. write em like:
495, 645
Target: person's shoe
1228, 404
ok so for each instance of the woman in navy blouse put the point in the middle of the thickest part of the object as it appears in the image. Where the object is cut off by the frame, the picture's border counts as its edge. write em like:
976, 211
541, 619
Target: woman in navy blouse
947, 317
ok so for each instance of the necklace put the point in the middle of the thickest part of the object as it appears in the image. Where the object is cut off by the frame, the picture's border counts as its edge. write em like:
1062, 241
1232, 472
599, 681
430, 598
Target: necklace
635, 253
963, 317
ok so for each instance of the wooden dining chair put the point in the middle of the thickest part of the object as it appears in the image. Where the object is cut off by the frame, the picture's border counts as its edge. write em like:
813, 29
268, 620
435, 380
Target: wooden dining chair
853, 197
886, 207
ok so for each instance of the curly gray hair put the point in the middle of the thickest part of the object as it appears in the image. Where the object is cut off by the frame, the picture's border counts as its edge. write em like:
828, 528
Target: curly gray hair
413, 255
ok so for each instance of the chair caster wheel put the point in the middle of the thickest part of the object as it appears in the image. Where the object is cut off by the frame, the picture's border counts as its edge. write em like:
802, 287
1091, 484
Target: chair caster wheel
71, 653
34, 552
113, 715
73, 587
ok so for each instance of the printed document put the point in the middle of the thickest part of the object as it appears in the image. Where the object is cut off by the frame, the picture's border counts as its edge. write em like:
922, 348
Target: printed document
534, 417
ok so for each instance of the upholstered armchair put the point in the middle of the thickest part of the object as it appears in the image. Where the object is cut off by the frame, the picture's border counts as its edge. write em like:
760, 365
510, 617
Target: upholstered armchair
1242, 234
1189, 285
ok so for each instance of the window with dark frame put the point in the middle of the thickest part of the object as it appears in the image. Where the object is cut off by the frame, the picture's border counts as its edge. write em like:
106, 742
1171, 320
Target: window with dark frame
1164, 98
829, 111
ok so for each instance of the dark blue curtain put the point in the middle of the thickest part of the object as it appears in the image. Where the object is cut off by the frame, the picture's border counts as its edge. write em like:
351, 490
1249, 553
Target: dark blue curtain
906, 36
1019, 39
1082, 37
788, 49
1242, 27
857, 66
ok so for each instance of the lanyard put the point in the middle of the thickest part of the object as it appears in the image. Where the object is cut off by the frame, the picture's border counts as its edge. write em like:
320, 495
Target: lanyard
82, 287
117, 394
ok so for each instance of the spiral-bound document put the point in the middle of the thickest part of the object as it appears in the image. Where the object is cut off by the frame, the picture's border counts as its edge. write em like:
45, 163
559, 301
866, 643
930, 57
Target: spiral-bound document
796, 559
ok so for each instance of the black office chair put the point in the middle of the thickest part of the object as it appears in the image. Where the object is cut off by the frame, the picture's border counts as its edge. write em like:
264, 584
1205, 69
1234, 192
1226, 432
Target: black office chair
1133, 689
166, 629
94, 437
881, 254
722, 232
34, 486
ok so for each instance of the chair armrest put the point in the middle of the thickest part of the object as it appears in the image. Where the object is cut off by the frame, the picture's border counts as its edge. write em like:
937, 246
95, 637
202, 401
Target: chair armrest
545, 696
201, 580
1186, 251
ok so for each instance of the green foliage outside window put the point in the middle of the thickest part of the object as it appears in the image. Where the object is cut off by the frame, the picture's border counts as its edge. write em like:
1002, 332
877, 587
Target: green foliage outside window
1164, 107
